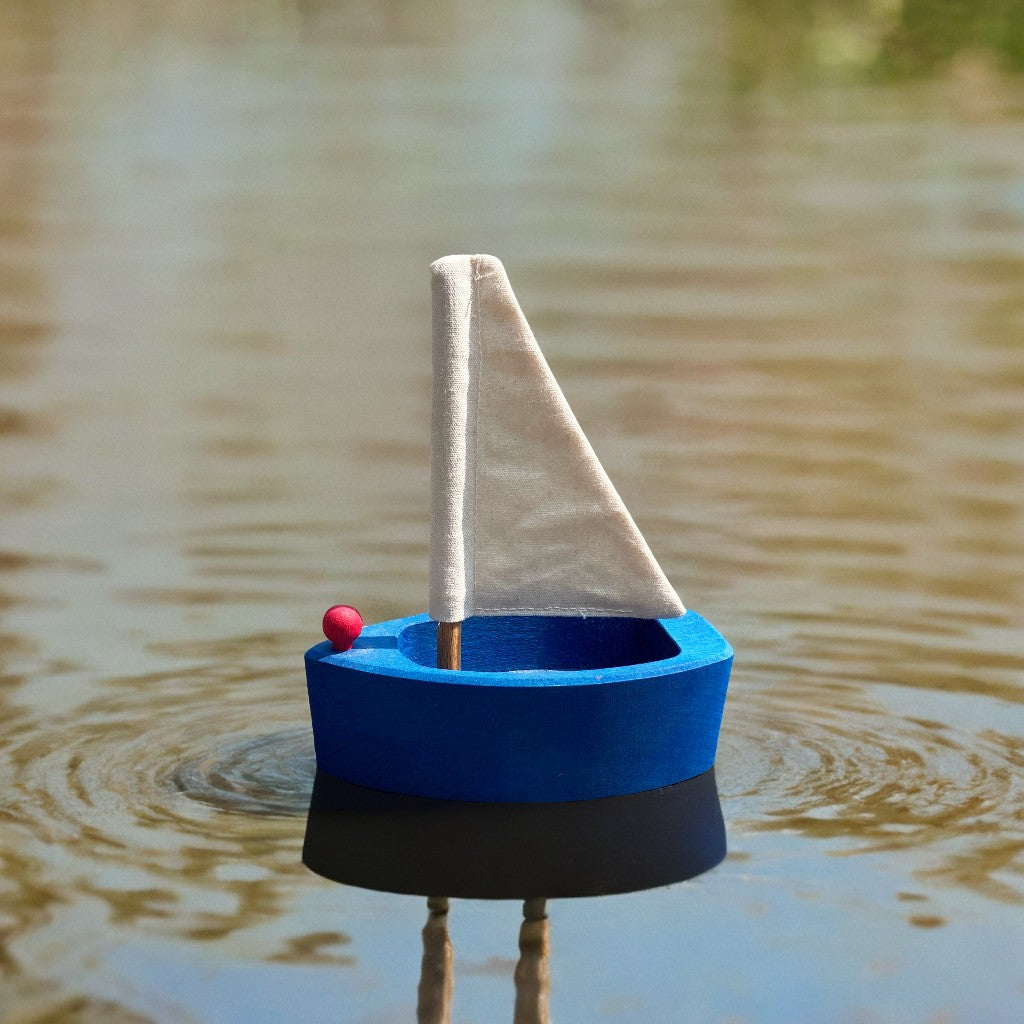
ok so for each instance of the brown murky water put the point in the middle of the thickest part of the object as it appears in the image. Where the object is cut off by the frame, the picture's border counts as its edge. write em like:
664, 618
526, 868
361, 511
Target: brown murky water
781, 280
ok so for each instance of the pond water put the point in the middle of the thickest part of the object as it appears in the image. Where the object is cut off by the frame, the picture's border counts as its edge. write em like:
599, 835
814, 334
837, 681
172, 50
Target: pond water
778, 268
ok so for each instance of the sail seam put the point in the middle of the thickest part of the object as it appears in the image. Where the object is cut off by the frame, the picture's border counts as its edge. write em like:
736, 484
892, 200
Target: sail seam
473, 359
451, 313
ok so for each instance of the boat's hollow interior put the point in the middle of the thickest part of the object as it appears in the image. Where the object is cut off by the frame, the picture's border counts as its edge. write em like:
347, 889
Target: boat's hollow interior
507, 643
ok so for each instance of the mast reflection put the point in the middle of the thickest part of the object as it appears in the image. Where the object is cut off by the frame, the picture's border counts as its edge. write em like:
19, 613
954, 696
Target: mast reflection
437, 971
533, 972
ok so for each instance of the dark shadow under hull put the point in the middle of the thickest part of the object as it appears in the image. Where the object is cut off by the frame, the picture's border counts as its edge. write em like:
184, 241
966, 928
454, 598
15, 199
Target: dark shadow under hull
429, 847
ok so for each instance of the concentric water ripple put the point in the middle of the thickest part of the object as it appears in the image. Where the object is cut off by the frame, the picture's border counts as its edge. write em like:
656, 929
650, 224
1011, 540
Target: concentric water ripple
176, 801
116, 772
265, 775
871, 780
136, 771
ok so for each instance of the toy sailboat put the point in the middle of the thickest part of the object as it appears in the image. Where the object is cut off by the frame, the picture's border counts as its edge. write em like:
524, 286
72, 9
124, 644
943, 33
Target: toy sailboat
556, 662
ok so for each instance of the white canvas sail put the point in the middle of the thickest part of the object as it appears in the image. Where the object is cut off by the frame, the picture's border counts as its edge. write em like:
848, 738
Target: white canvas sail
524, 520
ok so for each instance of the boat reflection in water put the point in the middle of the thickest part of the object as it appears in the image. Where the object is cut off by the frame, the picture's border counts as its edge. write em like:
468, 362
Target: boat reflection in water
533, 852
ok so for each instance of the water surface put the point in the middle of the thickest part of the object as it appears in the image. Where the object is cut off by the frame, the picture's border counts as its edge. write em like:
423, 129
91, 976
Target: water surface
778, 268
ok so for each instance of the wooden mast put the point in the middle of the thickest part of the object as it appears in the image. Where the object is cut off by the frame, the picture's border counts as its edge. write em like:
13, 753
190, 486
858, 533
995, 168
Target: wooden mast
449, 645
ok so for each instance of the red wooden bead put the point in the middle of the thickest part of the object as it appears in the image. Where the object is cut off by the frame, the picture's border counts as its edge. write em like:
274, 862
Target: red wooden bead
342, 624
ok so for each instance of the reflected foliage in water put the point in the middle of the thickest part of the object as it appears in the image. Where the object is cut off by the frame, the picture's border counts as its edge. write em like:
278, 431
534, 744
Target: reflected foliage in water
929, 33
872, 40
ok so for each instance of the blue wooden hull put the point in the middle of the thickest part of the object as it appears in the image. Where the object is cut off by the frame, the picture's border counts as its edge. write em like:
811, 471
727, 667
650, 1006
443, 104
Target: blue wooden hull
544, 708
